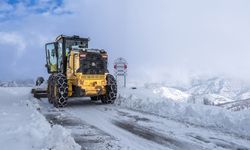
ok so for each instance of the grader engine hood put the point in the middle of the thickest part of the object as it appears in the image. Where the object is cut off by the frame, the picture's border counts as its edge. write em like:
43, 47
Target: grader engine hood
92, 62
88, 71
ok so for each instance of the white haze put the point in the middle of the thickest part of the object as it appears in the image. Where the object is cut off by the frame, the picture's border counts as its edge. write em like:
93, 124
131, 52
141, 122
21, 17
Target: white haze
161, 39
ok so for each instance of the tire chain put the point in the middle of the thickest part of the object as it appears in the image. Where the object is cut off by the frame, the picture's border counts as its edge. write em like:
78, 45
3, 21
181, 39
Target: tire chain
111, 90
62, 89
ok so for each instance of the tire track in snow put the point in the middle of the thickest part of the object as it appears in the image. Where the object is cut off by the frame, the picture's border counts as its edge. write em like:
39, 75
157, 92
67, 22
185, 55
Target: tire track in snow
173, 141
156, 137
87, 136
218, 142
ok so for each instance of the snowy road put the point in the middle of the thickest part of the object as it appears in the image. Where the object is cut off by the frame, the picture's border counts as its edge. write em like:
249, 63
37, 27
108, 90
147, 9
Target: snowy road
97, 126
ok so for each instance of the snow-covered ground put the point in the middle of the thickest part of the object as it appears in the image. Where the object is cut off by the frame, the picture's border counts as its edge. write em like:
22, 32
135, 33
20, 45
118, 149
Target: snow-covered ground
23, 127
153, 116
112, 127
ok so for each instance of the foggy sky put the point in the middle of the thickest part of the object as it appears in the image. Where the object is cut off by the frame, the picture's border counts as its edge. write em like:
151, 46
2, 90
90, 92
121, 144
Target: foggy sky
161, 39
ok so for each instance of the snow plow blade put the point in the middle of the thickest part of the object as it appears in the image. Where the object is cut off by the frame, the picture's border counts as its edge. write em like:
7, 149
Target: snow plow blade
39, 93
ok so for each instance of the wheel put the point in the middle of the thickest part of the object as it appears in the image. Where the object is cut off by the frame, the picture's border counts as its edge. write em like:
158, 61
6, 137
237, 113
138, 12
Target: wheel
49, 89
111, 90
60, 90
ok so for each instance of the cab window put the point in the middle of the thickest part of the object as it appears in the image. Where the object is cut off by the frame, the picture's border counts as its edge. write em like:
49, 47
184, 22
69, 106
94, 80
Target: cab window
60, 52
51, 57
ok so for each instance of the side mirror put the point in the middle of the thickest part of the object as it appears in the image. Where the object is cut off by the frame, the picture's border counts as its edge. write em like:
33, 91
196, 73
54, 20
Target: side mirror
39, 81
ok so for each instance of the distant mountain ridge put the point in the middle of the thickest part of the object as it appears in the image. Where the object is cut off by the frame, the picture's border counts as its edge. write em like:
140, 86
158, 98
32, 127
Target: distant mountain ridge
17, 83
228, 88
211, 91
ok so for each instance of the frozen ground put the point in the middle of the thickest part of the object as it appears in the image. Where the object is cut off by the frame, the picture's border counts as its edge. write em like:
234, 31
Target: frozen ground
149, 117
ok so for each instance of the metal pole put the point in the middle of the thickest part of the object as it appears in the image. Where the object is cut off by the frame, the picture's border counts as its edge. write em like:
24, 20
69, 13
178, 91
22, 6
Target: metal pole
124, 80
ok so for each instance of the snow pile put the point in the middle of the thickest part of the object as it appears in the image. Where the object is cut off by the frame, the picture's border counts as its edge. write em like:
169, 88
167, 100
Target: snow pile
59, 138
145, 100
23, 127
165, 91
171, 93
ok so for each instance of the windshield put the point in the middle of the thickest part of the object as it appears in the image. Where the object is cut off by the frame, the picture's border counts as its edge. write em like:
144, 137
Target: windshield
69, 43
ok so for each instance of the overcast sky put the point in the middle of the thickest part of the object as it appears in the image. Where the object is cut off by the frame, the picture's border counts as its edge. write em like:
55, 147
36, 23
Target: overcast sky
161, 39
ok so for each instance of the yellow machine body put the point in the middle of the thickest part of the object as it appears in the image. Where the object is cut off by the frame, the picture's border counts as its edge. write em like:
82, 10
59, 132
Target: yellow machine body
78, 71
91, 84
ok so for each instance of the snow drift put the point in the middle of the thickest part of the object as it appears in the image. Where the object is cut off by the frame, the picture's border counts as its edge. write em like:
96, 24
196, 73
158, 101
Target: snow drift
23, 127
144, 99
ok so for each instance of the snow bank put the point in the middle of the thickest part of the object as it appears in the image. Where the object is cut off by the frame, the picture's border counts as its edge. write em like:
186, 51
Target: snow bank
171, 93
208, 116
59, 138
23, 127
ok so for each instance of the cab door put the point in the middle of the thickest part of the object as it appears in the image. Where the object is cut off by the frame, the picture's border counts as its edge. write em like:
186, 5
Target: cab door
51, 57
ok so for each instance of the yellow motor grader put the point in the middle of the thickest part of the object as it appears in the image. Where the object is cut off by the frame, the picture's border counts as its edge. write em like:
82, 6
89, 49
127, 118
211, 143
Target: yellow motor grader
77, 71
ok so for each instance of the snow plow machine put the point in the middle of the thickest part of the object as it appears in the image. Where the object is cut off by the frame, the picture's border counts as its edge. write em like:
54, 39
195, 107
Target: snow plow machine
76, 71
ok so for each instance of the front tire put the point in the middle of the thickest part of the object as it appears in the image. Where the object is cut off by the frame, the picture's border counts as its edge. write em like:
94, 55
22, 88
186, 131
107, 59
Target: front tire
111, 90
60, 91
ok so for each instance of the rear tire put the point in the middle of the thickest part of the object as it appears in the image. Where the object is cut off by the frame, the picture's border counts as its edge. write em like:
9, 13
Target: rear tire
111, 90
60, 90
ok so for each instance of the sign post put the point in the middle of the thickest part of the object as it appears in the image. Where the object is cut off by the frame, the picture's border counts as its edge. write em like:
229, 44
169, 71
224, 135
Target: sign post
120, 67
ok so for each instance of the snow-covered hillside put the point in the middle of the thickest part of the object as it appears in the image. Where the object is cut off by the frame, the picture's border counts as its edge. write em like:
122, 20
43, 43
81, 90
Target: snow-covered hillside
229, 88
214, 91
